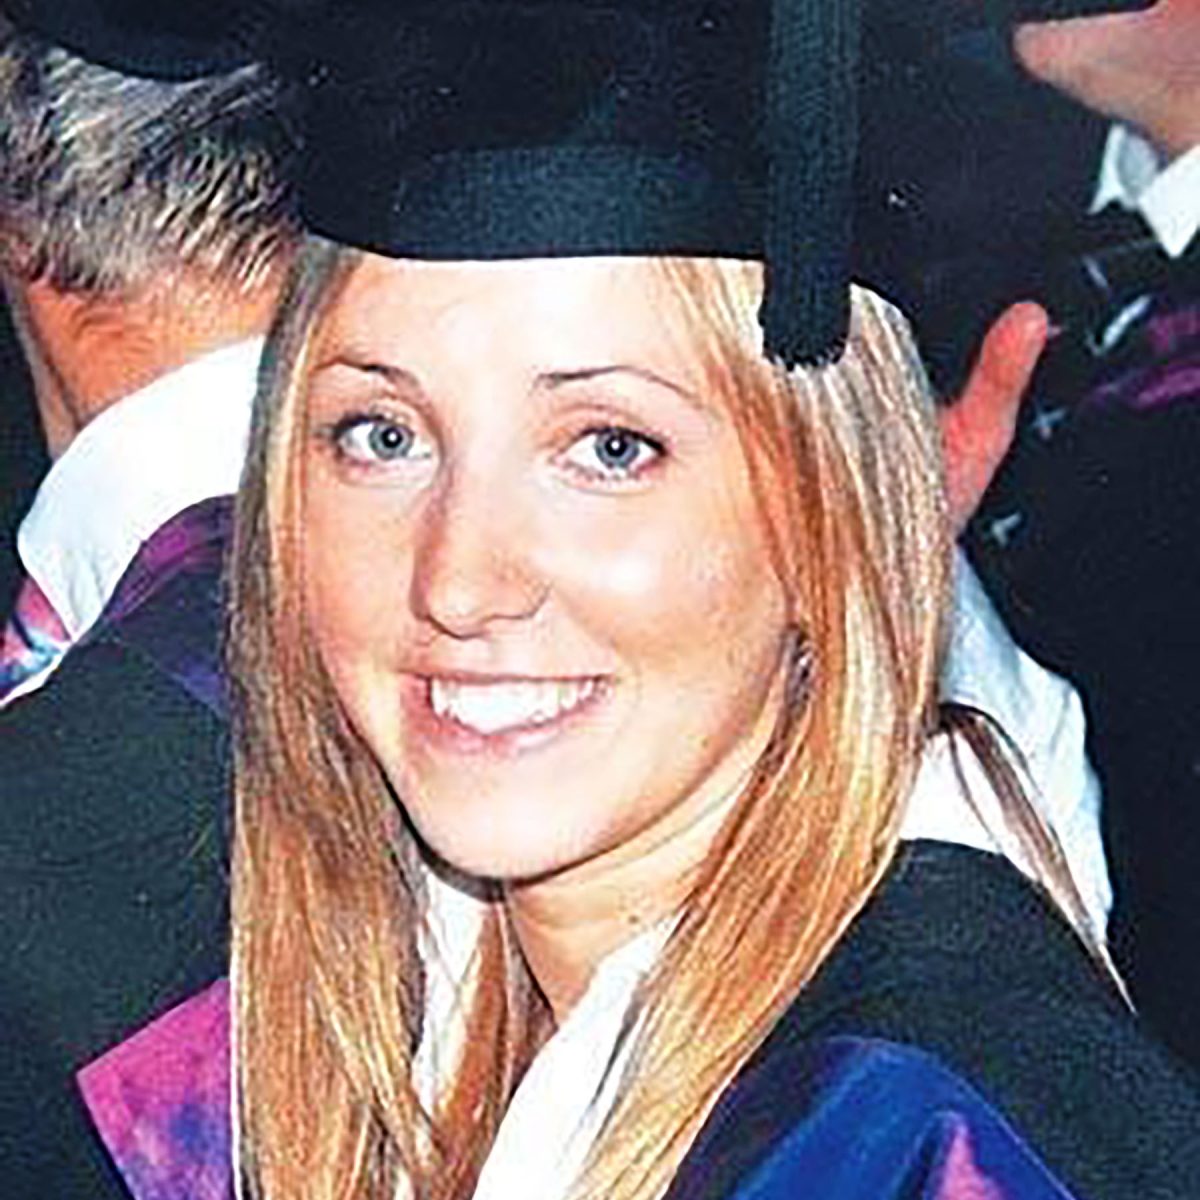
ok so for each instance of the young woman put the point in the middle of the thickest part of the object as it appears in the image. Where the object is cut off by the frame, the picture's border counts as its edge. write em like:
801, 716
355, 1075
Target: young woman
586, 670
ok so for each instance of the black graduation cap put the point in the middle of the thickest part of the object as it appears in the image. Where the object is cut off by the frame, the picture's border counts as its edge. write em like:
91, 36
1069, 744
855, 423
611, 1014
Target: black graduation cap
482, 129
463, 129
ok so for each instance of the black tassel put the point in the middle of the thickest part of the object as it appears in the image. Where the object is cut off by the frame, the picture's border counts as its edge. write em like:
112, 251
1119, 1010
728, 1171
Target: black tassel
812, 134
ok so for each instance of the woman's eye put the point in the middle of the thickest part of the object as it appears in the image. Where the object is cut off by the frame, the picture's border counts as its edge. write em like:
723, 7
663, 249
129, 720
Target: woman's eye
373, 439
614, 452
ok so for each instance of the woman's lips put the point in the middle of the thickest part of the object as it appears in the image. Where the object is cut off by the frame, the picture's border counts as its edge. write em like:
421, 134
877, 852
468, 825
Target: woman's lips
503, 714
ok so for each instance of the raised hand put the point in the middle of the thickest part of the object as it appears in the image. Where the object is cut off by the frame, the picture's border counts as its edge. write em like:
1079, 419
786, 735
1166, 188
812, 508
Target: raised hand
977, 428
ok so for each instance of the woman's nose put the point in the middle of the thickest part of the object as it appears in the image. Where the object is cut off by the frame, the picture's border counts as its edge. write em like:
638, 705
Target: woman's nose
473, 565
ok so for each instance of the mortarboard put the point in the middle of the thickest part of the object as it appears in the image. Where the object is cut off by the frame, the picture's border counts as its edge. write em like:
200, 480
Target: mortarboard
483, 129
534, 128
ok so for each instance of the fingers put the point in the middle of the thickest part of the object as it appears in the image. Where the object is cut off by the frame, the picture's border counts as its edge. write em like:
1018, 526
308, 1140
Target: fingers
977, 428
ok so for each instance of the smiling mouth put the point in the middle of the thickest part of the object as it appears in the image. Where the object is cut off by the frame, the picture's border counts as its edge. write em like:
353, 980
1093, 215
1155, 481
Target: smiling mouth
510, 705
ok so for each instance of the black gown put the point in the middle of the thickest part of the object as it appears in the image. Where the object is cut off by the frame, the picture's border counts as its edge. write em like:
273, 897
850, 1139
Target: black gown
114, 792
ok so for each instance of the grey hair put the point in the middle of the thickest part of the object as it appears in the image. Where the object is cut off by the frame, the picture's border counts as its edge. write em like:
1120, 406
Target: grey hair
112, 184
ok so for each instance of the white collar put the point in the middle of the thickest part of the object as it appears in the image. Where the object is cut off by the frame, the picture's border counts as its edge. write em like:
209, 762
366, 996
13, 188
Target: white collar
556, 1112
1133, 175
1043, 715
1128, 166
139, 463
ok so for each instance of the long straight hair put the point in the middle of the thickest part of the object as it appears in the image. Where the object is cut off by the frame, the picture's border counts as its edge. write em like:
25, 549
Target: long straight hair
328, 898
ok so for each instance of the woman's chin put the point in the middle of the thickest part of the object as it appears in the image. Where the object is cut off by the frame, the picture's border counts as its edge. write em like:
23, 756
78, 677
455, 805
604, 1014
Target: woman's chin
511, 861
494, 834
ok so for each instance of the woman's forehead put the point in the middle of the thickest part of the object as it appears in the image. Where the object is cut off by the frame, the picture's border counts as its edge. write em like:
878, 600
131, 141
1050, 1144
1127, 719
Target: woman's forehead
558, 313
572, 279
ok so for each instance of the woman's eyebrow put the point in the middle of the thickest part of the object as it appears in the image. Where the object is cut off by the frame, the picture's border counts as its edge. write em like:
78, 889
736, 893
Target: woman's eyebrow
397, 376
553, 379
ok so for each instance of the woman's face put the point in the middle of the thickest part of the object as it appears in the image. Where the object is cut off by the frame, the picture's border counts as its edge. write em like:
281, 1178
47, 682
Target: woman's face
534, 567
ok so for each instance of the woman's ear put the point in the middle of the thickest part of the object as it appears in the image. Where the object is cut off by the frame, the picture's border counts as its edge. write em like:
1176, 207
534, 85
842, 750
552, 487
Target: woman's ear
798, 665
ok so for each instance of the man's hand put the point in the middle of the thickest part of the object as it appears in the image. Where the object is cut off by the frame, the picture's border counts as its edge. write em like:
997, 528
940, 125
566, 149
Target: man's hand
1140, 68
977, 428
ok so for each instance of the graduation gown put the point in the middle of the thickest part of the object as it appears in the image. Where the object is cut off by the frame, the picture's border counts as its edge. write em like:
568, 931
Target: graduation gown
957, 1045
956, 1039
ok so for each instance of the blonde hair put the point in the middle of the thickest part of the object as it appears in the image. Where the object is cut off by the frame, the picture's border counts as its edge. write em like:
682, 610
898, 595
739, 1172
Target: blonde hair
328, 899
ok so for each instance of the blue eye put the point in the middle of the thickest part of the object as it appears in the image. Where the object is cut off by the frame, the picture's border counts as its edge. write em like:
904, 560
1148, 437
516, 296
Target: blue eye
614, 451
378, 439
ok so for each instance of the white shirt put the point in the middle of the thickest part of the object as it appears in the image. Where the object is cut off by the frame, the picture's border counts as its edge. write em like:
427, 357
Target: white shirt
1041, 712
1168, 197
570, 1087
140, 462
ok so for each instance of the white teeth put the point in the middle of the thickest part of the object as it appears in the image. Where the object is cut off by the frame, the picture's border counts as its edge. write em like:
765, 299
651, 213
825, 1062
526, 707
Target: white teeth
492, 707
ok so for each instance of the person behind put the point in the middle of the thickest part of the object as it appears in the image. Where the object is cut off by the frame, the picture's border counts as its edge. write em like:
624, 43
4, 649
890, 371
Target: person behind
579, 844
145, 225
1086, 540
1097, 569
146, 222
1085, 194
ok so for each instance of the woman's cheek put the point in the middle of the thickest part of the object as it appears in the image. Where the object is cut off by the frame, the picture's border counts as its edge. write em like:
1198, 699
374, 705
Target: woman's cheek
353, 577
658, 585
